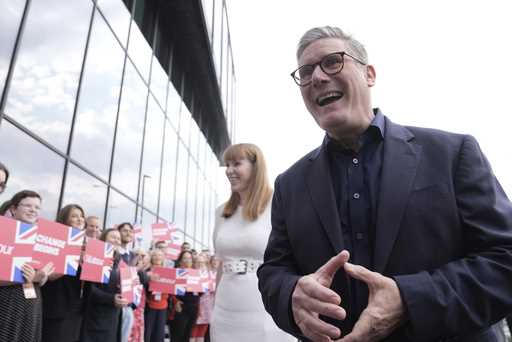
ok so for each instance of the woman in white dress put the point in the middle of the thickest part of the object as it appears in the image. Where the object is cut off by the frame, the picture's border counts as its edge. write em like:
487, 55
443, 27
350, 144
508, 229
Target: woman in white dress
240, 236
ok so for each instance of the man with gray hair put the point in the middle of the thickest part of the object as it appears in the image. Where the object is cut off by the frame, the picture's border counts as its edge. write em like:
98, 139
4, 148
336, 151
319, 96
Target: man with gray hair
384, 232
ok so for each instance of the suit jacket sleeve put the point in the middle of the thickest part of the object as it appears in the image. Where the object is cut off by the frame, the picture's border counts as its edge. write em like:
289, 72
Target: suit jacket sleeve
469, 293
278, 275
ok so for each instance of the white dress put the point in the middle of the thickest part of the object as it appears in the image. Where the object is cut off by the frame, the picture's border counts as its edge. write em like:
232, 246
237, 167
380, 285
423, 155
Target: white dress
238, 314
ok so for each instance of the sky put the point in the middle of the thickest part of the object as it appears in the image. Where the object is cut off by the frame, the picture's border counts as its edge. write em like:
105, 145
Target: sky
439, 64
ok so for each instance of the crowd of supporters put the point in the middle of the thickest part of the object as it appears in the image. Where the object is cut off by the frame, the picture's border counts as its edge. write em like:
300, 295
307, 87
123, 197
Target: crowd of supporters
52, 307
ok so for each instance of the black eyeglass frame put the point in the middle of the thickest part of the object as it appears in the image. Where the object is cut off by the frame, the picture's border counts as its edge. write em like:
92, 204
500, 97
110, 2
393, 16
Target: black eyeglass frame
314, 65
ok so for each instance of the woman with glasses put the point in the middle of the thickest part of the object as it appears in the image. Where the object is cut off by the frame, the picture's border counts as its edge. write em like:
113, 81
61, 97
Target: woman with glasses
21, 313
241, 232
63, 302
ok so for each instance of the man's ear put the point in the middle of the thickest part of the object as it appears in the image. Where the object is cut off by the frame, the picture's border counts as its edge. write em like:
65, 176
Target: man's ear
370, 75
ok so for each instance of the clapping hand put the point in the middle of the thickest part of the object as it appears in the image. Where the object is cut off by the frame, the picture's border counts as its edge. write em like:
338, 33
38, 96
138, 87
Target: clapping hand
385, 310
312, 297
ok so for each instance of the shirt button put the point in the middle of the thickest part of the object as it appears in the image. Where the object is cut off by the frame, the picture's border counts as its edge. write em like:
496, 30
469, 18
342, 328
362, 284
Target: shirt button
359, 236
355, 161
356, 195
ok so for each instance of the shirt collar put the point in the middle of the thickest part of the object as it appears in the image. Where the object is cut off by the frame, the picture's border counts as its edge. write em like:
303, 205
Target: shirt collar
375, 132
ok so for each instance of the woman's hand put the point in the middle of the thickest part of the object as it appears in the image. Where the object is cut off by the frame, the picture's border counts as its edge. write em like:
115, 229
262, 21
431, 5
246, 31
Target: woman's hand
28, 272
41, 276
119, 301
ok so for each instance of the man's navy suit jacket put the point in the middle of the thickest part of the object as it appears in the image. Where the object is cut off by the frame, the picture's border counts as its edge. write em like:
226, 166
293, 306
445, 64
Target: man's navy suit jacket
443, 233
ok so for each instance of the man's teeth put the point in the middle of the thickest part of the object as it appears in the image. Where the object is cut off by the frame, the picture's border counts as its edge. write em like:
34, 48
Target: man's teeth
329, 97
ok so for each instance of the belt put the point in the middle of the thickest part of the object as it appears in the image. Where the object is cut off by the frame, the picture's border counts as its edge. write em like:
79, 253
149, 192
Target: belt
241, 266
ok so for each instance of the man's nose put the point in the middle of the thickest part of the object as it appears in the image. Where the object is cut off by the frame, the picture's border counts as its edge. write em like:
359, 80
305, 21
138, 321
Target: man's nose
319, 76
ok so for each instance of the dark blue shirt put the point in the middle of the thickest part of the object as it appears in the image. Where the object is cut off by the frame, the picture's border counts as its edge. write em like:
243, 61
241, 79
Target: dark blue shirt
356, 179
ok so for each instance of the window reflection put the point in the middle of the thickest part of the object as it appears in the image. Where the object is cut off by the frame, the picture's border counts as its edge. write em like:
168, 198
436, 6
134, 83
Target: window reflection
118, 16
86, 191
147, 220
168, 172
125, 172
10, 18
174, 104
199, 208
120, 209
181, 187
44, 82
139, 51
191, 197
97, 109
194, 137
185, 123
152, 154
39, 168
159, 82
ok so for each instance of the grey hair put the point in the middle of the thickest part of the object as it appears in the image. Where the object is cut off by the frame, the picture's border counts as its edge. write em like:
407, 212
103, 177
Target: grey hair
354, 47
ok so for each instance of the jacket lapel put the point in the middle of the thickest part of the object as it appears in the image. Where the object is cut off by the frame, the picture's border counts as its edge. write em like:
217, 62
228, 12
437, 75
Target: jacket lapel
401, 158
319, 183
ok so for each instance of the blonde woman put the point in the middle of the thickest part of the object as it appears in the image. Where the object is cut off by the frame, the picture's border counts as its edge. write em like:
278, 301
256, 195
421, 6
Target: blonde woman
240, 236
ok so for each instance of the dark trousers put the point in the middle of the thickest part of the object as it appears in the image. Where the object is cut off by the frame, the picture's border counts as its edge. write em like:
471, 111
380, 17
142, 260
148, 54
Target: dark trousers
154, 324
181, 325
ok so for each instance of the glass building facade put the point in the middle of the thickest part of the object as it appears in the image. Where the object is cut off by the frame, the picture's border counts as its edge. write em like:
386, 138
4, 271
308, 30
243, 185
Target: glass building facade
121, 106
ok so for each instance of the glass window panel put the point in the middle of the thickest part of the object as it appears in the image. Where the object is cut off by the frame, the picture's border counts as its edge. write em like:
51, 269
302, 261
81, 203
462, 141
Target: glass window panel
125, 172
194, 138
44, 82
139, 51
86, 191
10, 18
159, 82
168, 172
217, 35
191, 197
199, 208
185, 125
152, 154
120, 209
181, 187
97, 108
118, 17
147, 219
32, 166
173, 106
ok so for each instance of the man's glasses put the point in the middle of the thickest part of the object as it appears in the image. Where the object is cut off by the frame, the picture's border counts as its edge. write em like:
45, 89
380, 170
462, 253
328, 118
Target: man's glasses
331, 64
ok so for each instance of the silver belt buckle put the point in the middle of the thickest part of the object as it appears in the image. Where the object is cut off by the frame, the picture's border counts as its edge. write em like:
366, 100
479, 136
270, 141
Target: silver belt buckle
245, 262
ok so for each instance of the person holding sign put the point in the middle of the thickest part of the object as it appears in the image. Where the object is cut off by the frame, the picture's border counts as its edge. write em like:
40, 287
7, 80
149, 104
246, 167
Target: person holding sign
187, 306
242, 227
63, 295
21, 314
104, 301
157, 303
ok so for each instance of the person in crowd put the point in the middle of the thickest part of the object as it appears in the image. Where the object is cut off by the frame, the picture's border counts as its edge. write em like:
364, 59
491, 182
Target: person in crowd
157, 303
206, 302
144, 264
162, 245
104, 301
186, 306
4, 177
242, 227
185, 246
418, 212
63, 302
130, 258
4, 208
92, 227
21, 313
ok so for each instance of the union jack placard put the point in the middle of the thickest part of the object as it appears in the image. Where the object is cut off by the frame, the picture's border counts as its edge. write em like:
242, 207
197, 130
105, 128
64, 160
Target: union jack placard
97, 263
16, 245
